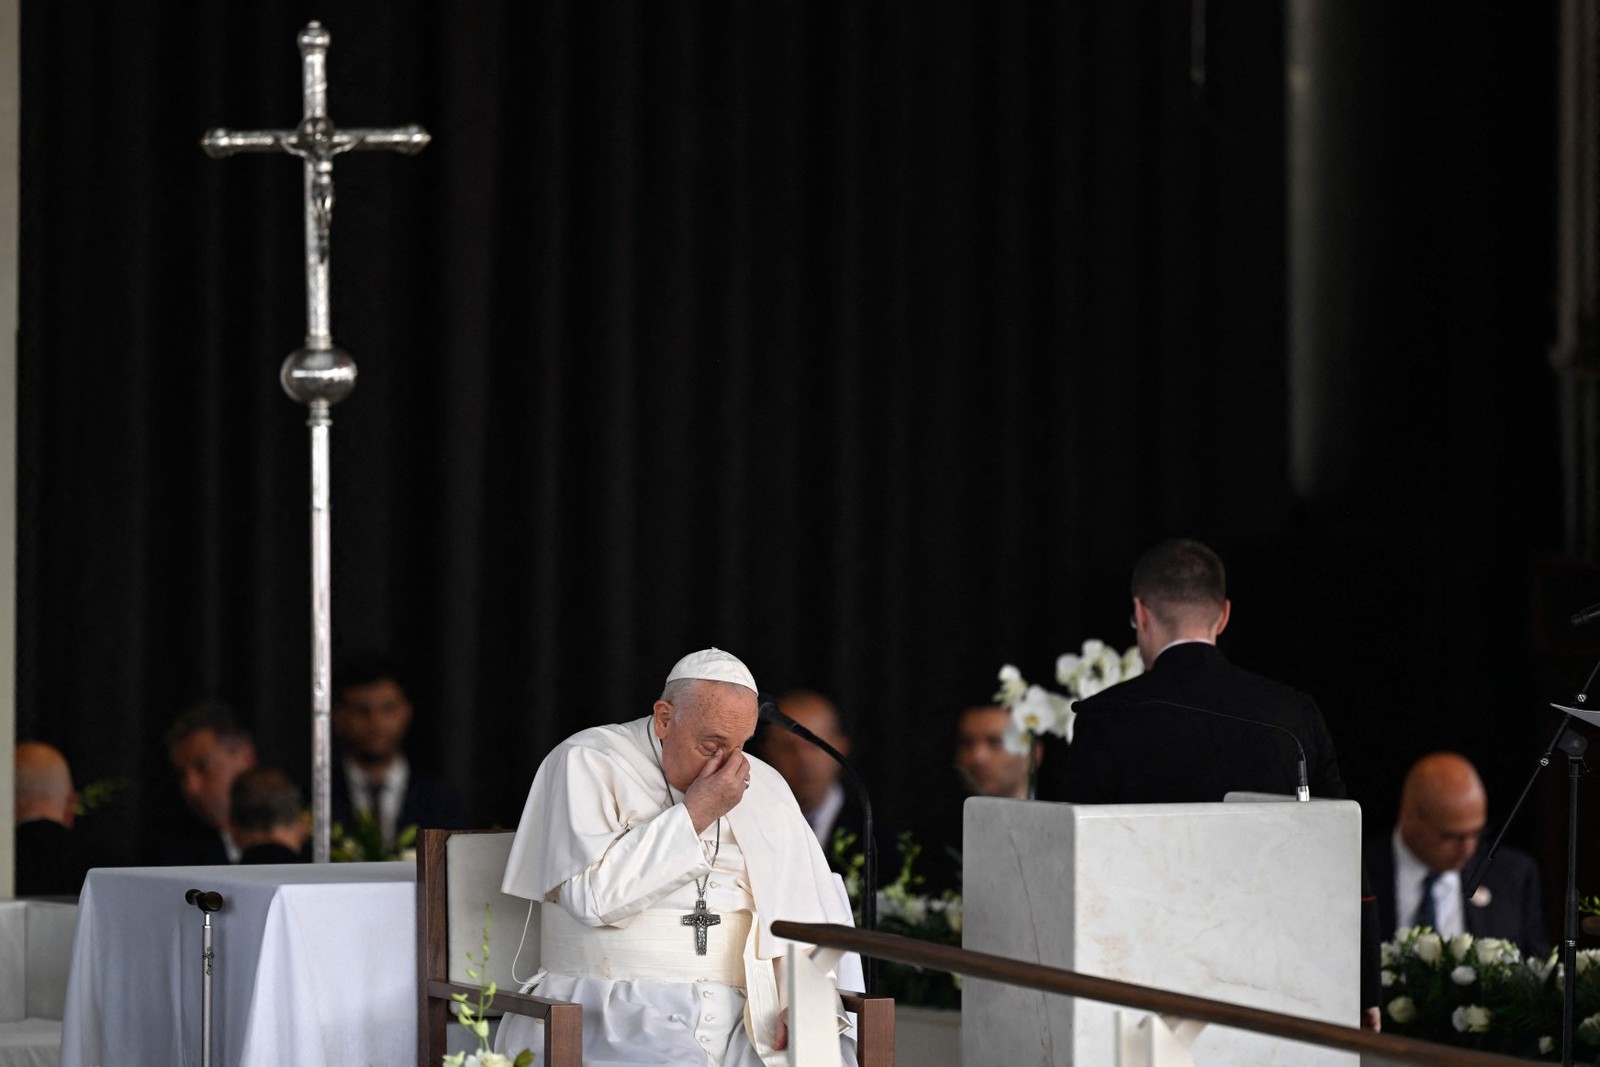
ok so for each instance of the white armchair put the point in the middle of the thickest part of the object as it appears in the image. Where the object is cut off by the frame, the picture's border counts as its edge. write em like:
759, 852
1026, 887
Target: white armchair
35, 955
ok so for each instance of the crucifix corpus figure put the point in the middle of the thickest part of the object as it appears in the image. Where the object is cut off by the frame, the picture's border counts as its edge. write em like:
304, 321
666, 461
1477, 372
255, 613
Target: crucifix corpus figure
318, 374
634, 831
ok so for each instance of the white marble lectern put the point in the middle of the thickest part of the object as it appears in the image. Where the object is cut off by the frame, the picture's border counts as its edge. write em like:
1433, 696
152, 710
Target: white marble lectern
1255, 902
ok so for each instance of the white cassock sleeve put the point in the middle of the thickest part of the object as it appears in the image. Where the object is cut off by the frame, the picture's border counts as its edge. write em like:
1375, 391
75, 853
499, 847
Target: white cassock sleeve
643, 865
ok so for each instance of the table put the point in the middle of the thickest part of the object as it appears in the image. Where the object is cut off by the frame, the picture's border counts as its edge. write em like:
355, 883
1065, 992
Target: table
315, 964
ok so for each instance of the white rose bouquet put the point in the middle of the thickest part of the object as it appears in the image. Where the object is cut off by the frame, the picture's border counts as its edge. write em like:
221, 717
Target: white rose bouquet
1480, 992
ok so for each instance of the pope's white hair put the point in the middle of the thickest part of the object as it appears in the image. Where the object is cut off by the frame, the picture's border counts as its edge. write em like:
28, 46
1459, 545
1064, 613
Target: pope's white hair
677, 691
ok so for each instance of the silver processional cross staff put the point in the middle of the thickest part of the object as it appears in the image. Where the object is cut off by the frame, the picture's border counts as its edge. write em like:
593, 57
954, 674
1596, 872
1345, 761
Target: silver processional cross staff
318, 374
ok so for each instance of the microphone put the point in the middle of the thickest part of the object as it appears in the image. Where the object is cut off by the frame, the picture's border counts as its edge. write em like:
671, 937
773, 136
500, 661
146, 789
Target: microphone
1303, 791
769, 713
205, 901
1586, 616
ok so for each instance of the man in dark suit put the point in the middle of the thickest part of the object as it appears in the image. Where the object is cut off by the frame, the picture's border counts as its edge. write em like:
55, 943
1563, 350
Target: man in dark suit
812, 774
1193, 727
1420, 870
371, 715
268, 818
50, 861
208, 749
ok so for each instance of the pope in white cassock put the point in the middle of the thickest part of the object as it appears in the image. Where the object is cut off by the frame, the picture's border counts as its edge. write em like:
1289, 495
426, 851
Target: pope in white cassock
662, 854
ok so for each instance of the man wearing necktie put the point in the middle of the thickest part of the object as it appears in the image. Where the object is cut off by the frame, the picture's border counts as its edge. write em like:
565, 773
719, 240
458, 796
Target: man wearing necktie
371, 717
1420, 871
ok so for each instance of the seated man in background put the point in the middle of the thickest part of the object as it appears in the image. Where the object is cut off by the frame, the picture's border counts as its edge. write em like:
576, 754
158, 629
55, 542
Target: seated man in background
49, 860
267, 817
371, 716
661, 854
986, 766
812, 774
1419, 870
208, 749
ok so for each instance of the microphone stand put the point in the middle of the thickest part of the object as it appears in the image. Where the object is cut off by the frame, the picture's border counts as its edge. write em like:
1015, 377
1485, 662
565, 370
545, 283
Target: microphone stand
1574, 745
207, 903
869, 872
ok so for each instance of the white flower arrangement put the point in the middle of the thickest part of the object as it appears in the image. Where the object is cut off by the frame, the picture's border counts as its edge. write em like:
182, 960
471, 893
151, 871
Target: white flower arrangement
1036, 711
1479, 992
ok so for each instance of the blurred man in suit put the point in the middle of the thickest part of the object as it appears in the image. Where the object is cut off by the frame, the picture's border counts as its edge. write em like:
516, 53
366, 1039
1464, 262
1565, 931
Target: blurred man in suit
812, 774
49, 859
1419, 870
987, 767
1193, 727
371, 716
208, 749
267, 817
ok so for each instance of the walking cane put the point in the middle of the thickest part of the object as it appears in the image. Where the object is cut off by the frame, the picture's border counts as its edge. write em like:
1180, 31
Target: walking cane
207, 903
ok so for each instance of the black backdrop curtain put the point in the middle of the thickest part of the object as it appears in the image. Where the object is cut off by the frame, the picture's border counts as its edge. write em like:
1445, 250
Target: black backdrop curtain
871, 341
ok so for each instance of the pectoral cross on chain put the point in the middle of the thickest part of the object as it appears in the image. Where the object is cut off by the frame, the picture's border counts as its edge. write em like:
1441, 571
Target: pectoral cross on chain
700, 918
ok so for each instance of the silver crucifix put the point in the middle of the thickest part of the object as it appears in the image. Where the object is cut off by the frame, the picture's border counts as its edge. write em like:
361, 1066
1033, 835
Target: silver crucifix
700, 918
318, 374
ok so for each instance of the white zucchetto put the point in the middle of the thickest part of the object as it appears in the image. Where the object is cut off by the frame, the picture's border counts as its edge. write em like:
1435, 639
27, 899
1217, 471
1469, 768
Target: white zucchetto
714, 665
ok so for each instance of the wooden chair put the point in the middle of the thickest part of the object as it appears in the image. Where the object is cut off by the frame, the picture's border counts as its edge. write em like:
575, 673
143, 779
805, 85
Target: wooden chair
458, 873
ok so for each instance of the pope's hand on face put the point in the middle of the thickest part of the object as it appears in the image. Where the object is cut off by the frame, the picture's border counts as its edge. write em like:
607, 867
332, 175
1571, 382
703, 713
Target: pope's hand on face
718, 787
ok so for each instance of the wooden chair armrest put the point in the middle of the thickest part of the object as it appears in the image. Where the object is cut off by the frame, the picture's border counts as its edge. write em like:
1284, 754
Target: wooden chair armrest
563, 1020
874, 1027
504, 1000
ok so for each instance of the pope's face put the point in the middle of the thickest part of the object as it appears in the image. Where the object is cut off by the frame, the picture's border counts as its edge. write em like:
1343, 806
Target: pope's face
705, 719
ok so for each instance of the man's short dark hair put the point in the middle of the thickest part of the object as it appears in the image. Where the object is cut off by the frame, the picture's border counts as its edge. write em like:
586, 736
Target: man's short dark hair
210, 715
364, 668
264, 799
1179, 573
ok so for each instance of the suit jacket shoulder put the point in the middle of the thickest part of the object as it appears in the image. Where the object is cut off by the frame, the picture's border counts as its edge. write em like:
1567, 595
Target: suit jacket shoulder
1193, 728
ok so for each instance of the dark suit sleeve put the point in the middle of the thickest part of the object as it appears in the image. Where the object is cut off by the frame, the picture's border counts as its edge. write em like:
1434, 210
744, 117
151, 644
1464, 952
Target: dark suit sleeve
1535, 939
1323, 772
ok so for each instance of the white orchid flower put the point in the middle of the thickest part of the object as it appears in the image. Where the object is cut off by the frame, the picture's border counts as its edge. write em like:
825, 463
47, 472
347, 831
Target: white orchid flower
1012, 685
1132, 663
1015, 740
1035, 714
1068, 667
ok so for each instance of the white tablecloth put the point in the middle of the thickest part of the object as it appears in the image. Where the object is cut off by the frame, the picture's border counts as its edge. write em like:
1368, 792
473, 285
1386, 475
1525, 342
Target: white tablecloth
315, 964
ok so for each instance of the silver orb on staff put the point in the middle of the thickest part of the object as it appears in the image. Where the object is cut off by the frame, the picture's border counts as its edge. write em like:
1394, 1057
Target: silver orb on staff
318, 374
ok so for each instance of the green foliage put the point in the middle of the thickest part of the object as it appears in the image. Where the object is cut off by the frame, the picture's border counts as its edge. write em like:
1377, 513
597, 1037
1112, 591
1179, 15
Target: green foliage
363, 843
1481, 993
901, 910
472, 1013
98, 794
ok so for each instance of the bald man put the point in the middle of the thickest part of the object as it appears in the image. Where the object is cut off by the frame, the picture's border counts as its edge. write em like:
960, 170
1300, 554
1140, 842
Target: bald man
49, 860
1419, 871
812, 774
